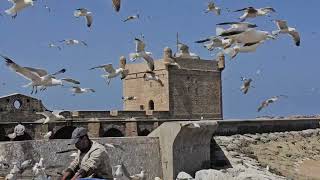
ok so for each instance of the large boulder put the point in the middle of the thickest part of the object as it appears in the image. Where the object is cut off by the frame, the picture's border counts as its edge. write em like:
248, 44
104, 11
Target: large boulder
211, 174
184, 176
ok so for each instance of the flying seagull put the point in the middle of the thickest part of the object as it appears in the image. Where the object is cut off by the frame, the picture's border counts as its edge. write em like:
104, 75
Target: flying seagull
215, 42
79, 90
18, 5
213, 8
38, 77
251, 12
129, 18
47, 7
52, 45
50, 116
86, 13
266, 103
234, 26
111, 72
141, 53
247, 36
244, 48
73, 42
284, 29
151, 76
116, 5
129, 98
246, 85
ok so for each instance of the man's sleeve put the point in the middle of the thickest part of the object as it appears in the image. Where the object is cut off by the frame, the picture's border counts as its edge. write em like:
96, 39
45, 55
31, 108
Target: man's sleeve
74, 165
93, 162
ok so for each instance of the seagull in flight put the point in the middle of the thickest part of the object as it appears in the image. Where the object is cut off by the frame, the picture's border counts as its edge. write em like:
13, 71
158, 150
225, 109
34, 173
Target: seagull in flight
129, 98
50, 116
251, 12
86, 13
52, 45
47, 7
151, 76
111, 72
141, 53
18, 5
116, 5
215, 42
234, 26
247, 36
246, 85
79, 90
284, 29
129, 18
213, 8
38, 77
244, 48
73, 42
266, 103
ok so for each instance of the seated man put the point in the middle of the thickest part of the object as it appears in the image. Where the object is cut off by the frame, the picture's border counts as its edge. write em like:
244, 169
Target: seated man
92, 160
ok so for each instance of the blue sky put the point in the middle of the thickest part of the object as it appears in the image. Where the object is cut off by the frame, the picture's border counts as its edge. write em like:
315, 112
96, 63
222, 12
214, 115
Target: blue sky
285, 68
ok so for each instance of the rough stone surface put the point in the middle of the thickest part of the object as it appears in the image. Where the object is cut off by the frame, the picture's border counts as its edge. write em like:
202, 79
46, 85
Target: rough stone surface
291, 154
135, 153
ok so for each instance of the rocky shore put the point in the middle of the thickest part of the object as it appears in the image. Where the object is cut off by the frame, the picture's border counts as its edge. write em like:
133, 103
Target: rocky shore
279, 155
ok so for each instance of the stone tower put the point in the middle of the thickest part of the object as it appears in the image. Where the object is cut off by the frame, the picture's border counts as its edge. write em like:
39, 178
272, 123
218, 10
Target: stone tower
192, 90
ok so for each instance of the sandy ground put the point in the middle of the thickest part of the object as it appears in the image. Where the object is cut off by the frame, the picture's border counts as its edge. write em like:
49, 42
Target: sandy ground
293, 157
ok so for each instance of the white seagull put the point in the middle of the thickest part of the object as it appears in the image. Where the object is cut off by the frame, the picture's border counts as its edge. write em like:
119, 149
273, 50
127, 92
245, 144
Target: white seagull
251, 12
116, 5
150, 76
129, 18
111, 72
141, 53
48, 135
78, 90
215, 42
18, 5
243, 48
273, 99
86, 13
212, 7
246, 85
234, 26
140, 176
247, 36
284, 29
52, 45
50, 116
38, 77
129, 98
119, 172
73, 42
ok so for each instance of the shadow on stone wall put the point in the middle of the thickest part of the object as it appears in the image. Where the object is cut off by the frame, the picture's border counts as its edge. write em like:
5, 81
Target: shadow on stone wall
217, 157
144, 132
113, 132
63, 133
3, 136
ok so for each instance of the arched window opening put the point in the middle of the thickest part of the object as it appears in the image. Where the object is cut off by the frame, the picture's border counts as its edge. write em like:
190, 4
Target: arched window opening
63, 133
144, 132
113, 132
151, 105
